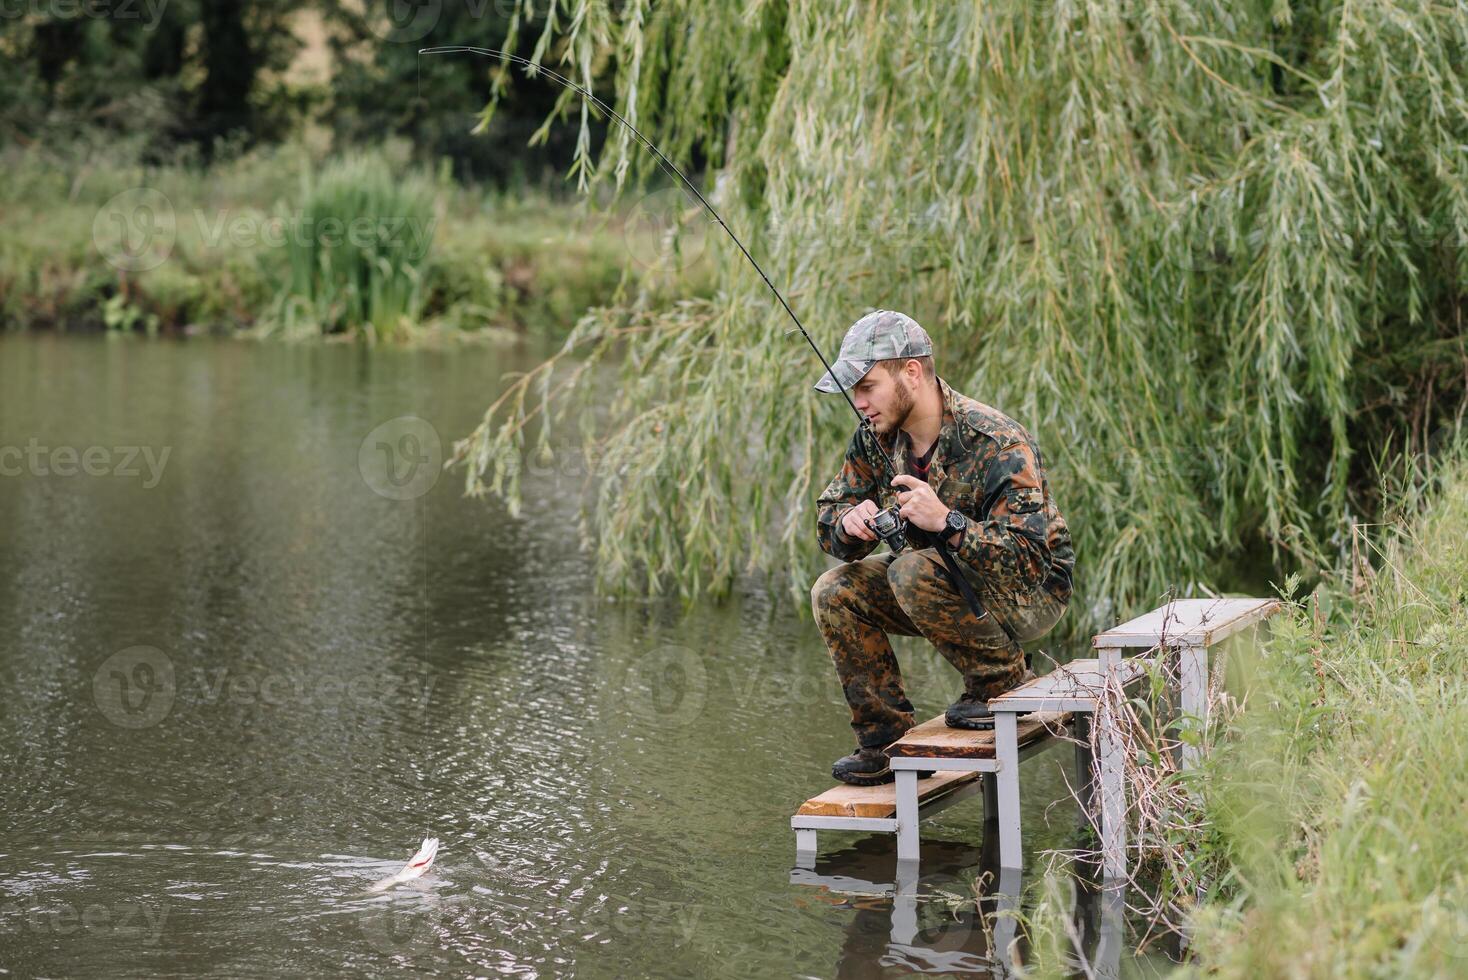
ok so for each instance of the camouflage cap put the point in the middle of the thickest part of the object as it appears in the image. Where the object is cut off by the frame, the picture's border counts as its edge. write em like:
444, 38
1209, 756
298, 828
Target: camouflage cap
878, 336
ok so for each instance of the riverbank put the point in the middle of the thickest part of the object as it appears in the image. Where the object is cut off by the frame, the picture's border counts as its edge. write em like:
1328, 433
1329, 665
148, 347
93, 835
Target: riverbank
1337, 806
1326, 827
295, 242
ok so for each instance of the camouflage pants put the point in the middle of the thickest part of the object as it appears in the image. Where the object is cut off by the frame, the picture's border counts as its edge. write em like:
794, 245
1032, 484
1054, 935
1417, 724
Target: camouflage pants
858, 604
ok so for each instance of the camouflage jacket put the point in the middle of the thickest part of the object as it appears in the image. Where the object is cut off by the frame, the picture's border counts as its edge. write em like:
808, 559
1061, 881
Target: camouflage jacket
987, 467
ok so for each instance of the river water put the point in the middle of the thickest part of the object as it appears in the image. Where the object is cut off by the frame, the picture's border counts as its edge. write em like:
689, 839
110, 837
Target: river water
255, 650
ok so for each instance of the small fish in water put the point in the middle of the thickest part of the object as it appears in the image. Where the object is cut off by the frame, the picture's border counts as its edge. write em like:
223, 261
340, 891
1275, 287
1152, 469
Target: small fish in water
416, 866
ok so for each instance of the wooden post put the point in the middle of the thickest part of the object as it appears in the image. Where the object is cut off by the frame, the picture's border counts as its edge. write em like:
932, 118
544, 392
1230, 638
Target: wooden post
1109, 750
1006, 754
907, 815
1193, 680
805, 848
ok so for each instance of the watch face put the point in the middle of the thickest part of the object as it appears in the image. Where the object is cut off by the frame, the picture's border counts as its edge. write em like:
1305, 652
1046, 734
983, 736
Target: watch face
956, 521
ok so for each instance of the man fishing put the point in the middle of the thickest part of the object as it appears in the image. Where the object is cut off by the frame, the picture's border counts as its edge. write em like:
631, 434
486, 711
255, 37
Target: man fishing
968, 481
964, 475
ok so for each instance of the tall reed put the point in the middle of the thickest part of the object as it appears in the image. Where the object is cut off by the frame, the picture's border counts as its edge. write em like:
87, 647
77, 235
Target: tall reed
358, 251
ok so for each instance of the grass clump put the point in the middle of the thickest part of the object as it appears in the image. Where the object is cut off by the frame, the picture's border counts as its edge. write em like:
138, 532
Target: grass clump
358, 251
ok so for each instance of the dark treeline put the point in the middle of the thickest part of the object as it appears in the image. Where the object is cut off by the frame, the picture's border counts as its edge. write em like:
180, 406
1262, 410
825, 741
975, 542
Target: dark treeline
193, 76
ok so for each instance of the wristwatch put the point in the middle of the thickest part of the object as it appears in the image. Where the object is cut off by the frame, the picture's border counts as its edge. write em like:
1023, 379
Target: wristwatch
955, 522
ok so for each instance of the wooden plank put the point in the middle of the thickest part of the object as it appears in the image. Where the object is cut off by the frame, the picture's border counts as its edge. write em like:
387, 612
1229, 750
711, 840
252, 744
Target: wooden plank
844, 800
1077, 679
1194, 622
935, 740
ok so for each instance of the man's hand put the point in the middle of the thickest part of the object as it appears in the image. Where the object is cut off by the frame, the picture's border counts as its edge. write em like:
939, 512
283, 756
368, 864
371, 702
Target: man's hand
919, 504
853, 522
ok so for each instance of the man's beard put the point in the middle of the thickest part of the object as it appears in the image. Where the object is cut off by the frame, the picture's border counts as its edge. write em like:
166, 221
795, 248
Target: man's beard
899, 413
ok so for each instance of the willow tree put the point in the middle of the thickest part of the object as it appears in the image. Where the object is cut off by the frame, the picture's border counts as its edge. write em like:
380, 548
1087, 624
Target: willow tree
1208, 251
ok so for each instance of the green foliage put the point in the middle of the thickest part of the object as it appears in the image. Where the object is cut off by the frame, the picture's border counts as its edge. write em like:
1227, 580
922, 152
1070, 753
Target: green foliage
1210, 253
358, 250
122, 316
499, 262
1336, 804
1321, 837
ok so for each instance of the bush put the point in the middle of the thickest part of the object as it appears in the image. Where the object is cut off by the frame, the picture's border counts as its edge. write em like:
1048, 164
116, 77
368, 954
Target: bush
358, 250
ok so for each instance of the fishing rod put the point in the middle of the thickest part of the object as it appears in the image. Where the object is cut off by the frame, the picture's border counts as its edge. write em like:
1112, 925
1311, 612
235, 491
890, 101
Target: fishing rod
672, 169
887, 524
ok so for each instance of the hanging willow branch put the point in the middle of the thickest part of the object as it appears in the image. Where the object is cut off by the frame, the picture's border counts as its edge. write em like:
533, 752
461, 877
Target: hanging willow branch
1162, 234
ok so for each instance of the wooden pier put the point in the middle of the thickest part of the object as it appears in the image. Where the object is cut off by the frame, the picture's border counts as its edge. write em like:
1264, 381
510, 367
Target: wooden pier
1072, 698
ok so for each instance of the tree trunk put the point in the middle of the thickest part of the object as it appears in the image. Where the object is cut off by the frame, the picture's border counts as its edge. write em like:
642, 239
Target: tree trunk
230, 66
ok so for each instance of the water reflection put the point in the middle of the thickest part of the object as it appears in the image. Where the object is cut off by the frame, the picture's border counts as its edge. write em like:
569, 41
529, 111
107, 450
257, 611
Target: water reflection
956, 913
